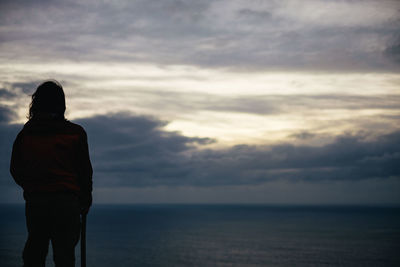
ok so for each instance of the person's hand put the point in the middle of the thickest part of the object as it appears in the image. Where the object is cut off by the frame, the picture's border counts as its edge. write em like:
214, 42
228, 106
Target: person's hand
85, 203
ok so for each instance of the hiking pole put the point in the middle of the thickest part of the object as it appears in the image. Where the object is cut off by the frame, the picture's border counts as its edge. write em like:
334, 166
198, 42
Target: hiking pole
83, 241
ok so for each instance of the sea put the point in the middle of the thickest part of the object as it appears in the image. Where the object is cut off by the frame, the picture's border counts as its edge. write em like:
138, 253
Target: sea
224, 235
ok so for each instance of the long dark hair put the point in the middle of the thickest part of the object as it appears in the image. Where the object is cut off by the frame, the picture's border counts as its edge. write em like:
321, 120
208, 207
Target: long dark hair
48, 98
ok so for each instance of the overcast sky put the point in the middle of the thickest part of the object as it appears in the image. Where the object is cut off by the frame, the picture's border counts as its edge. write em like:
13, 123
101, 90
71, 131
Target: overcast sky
215, 101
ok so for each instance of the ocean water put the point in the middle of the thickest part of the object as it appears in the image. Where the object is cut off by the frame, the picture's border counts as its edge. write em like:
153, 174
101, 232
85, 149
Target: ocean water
225, 235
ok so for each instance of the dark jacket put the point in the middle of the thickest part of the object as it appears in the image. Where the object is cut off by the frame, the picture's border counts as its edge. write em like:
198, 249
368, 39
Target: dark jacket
52, 156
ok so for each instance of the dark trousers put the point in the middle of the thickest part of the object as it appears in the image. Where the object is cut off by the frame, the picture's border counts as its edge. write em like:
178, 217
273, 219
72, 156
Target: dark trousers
56, 218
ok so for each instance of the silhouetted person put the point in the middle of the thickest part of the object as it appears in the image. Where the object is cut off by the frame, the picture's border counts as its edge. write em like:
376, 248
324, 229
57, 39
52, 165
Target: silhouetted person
50, 161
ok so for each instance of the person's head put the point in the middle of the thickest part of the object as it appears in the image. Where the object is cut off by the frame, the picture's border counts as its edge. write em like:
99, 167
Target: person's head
48, 99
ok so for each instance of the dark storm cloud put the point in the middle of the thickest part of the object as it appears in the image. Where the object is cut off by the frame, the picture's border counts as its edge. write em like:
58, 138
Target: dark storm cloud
124, 146
6, 115
327, 35
135, 151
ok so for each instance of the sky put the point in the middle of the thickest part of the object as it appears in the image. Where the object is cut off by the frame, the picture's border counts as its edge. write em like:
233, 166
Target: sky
201, 101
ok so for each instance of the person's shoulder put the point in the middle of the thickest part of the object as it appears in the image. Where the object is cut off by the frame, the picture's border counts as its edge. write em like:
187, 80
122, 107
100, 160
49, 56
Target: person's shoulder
27, 125
25, 128
74, 127
21, 133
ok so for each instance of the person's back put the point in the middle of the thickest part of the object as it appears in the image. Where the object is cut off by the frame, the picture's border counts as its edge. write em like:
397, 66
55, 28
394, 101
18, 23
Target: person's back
50, 161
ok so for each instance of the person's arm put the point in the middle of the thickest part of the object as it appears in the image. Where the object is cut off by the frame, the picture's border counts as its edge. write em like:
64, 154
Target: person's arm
16, 164
85, 174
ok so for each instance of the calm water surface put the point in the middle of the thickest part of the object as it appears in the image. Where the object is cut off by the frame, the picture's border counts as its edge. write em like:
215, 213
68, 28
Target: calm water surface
225, 235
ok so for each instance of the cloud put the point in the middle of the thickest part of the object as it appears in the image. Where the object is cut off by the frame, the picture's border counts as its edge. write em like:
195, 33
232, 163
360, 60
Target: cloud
24, 87
265, 104
315, 35
5, 94
135, 152
303, 135
393, 50
143, 149
12, 97
6, 115
13, 90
